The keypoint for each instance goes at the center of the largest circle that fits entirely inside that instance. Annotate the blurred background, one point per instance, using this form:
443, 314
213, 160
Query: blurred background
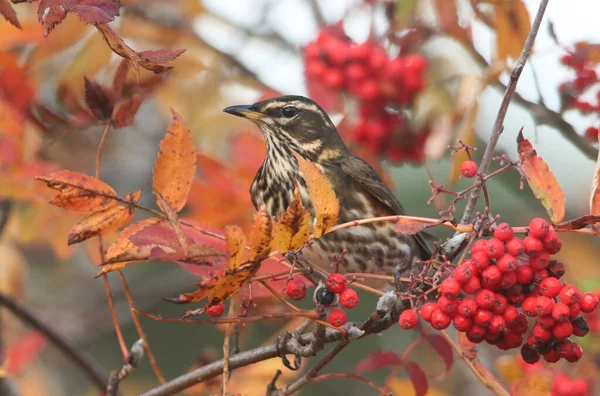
402, 80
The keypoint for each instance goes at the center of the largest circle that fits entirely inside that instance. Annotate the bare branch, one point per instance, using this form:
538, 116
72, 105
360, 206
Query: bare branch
499, 123
85, 362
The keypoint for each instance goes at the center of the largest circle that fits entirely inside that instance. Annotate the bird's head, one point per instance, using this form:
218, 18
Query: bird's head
296, 123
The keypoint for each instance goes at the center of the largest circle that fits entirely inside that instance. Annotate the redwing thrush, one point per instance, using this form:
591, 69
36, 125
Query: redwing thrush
297, 124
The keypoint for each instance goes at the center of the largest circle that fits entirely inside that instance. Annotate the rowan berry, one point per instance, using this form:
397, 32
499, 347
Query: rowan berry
337, 317
296, 289
450, 288
495, 248
515, 247
349, 298
408, 319
336, 283
569, 294
504, 232
538, 228
462, 323
550, 287
533, 246
485, 299
216, 310
439, 320
427, 309
588, 302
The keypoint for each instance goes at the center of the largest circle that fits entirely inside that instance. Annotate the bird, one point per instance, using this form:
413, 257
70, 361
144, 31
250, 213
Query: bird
297, 125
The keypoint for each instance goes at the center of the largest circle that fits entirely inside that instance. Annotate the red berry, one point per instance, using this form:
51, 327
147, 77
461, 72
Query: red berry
562, 330
504, 232
439, 320
462, 323
574, 310
482, 318
540, 261
547, 322
377, 58
492, 275
541, 335
569, 295
355, 72
500, 304
529, 354
498, 324
480, 260
337, 317
427, 309
529, 307
349, 298
544, 305
515, 247
472, 286
468, 169
519, 325
336, 283
450, 288
533, 246
516, 299
485, 299
552, 356
556, 269
575, 354
216, 310
540, 275
507, 263
560, 312
565, 347
510, 314
509, 279
476, 334
479, 246
524, 274
552, 242
408, 319
467, 307
315, 68
368, 90
333, 78
416, 63
588, 302
550, 287
580, 326
296, 289
360, 52
495, 248
447, 305
463, 272
538, 228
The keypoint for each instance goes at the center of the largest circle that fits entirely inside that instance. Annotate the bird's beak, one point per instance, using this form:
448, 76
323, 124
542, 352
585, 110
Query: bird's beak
246, 111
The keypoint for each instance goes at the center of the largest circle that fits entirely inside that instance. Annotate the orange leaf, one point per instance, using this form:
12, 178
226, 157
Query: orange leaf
101, 222
325, 204
140, 253
235, 241
512, 25
173, 220
176, 164
542, 181
122, 243
260, 235
220, 287
595, 198
292, 230
79, 192
410, 226
448, 17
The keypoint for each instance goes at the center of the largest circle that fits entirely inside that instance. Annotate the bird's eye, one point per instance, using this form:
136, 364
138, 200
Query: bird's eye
289, 111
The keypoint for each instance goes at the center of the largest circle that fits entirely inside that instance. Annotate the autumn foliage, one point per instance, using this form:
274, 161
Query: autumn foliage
513, 286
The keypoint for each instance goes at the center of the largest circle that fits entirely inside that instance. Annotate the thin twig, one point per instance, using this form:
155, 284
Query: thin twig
499, 123
113, 314
140, 330
99, 151
240, 319
85, 362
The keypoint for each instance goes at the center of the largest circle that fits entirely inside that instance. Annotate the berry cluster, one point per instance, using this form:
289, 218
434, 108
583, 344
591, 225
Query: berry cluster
572, 91
366, 72
506, 273
336, 284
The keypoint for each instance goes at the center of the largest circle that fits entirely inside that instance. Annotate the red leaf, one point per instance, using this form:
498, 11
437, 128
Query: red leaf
417, 377
26, 348
378, 360
442, 347
96, 11
161, 56
163, 235
9, 13
98, 100
51, 13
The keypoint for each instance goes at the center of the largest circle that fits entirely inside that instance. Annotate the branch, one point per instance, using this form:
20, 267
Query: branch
499, 123
85, 362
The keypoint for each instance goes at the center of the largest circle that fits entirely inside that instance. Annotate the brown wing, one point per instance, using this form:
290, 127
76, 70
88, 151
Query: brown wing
366, 176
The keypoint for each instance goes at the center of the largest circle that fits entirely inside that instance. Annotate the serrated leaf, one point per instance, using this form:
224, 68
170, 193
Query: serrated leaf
235, 241
377, 360
172, 219
417, 377
9, 13
79, 192
542, 181
140, 253
292, 229
261, 234
221, 286
122, 242
410, 226
101, 222
324, 201
577, 223
98, 100
176, 164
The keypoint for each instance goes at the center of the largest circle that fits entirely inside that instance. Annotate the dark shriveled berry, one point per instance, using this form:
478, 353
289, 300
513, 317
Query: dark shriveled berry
324, 296
529, 354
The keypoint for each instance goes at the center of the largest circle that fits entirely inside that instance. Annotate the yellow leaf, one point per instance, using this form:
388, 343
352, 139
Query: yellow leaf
101, 222
542, 181
235, 241
292, 230
260, 235
176, 164
512, 25
325, 204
